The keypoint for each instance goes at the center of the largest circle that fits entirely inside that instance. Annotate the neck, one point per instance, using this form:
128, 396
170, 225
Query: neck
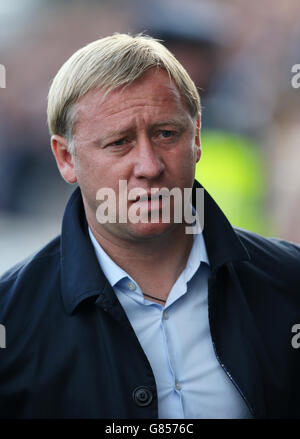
154, 264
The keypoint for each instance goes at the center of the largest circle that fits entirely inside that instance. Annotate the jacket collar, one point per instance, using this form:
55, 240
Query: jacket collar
222, 243
81, 275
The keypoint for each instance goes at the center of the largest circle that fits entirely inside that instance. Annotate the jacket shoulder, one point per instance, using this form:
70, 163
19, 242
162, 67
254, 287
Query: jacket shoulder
273, 257
50, 249
269, 247
26, 274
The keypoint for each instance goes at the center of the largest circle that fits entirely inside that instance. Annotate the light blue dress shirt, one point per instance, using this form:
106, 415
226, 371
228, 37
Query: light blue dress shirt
177, 341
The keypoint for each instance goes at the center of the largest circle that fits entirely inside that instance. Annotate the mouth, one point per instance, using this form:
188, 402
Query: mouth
153, 195
147, 198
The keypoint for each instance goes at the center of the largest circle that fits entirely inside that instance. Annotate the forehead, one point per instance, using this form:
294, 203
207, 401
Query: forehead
155, 91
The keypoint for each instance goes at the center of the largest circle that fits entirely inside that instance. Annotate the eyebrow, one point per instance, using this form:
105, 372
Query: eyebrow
120, 133
111, 135
176, 122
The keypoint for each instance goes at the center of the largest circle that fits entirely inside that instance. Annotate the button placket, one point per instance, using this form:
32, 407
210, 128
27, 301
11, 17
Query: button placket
178, 386
165, 315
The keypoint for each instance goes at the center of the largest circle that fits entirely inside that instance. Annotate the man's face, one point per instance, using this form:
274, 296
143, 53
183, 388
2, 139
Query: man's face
143, 134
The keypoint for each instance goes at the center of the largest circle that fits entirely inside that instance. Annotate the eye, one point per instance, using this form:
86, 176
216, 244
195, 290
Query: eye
167, 134
118, 142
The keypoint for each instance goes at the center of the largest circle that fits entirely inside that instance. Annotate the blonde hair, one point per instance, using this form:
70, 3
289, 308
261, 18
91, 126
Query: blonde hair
109, 63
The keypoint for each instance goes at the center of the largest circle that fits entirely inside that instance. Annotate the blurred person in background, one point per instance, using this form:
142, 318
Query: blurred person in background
141, 319
282, 143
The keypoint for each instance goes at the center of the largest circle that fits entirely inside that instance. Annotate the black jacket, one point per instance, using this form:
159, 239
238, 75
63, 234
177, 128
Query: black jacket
72, 353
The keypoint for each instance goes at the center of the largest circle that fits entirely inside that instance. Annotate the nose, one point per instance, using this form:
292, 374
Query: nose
148, 163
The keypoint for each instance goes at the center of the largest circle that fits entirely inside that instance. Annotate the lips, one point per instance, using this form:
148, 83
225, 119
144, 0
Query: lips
155, 194
148, 198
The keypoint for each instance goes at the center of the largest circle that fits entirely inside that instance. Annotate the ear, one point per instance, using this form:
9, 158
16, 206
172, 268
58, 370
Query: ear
198, 139
64, 159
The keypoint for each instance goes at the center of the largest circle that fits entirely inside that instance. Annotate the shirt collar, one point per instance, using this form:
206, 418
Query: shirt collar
197, 256
114, 273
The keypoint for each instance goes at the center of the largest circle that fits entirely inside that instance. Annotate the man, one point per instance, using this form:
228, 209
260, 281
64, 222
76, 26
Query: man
137, 318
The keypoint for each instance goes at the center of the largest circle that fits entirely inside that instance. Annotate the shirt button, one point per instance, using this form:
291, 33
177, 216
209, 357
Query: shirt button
131, 286
165, 315
178, 386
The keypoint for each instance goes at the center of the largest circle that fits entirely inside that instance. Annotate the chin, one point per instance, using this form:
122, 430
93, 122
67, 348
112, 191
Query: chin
150, 231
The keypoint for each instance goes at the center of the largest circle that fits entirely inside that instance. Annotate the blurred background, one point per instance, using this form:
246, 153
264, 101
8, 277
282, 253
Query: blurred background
239, 54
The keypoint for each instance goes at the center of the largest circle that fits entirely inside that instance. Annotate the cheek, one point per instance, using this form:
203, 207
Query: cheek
187, 165
88, 175
87, 164
189, 155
